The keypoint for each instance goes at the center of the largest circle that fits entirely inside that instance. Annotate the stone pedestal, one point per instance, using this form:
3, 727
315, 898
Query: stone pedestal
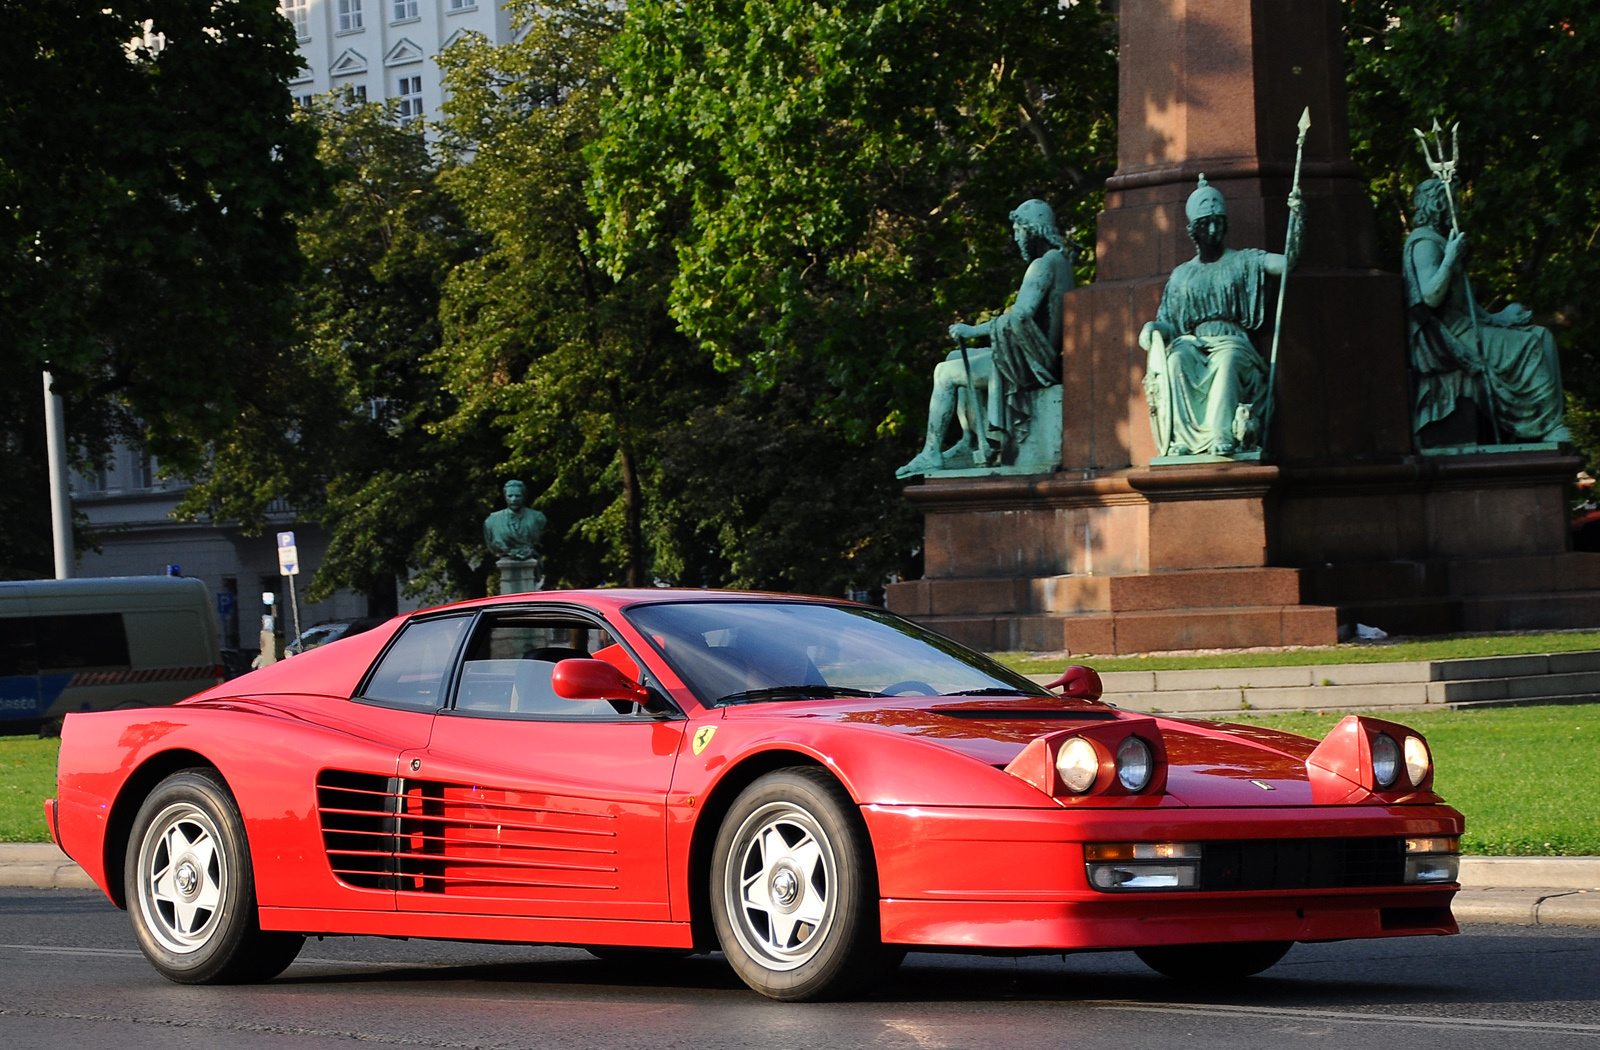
1342, 519
520, 577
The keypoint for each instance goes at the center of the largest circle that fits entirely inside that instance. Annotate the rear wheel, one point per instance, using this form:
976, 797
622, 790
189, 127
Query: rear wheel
1212, 963
191, 891
794, 891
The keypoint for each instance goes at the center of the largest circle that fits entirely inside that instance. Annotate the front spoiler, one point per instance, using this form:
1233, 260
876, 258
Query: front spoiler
1144, 920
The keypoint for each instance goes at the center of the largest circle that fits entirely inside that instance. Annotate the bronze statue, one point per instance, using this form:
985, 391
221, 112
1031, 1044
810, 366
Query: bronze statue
989, 390
512, 536
1205, 380
1500, 362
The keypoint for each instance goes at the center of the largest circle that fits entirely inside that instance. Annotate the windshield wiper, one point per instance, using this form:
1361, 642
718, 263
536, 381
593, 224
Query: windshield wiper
991, 691
792, 692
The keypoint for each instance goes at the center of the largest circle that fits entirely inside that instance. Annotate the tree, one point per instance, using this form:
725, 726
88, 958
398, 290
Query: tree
1523, 80
833, 183
346, 425
581, 368
834, 180
146, 236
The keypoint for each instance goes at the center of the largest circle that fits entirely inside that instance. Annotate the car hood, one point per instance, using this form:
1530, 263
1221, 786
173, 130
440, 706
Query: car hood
1209, 763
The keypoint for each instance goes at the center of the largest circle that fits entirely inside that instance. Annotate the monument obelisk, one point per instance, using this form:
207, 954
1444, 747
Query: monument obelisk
1343, 519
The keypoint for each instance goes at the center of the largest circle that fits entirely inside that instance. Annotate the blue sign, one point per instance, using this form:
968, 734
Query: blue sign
226, 602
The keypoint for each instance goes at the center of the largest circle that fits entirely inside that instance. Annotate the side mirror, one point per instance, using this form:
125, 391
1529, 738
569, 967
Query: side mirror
1079, 682
578, 679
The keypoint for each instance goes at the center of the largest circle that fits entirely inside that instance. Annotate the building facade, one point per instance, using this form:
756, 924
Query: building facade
378, 50
130, 509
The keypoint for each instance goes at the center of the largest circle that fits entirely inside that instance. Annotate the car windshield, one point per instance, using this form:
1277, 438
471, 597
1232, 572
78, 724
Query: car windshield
730, 652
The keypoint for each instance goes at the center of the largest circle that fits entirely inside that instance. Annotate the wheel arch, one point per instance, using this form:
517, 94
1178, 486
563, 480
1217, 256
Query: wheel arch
712, 811
142, 781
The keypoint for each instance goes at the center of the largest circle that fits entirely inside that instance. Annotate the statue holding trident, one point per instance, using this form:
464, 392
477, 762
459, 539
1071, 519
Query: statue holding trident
989, 389
1207, 387
1460, 353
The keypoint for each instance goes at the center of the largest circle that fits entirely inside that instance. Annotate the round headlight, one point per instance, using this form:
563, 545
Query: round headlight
1417, 759
1134, 764
1078, 763
1385, 760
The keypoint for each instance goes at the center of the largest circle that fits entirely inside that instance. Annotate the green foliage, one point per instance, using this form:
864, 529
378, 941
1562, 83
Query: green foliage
345, 424
1527, 779
580, 369
146, 243
1524, 82
835, 180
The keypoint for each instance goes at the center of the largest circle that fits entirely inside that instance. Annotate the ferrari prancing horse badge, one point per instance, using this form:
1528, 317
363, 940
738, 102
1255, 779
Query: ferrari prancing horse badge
702, 737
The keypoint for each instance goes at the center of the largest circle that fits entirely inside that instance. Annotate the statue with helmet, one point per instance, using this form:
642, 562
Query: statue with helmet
1205, 381
1006, 396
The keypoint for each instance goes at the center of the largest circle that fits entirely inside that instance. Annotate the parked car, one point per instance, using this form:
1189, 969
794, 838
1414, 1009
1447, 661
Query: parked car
813, 787
106, 642
329, 631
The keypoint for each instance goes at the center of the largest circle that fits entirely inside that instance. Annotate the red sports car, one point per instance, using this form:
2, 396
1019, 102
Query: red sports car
812, 786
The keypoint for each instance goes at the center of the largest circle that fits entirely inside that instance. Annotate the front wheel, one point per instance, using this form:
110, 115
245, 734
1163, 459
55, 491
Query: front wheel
191, 891
1213, 963
794, 890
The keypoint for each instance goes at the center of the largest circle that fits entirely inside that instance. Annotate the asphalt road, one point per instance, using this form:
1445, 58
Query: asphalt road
70, 976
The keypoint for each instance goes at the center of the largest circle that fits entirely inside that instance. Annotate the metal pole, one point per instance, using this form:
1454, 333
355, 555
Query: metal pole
55, 431
294, 606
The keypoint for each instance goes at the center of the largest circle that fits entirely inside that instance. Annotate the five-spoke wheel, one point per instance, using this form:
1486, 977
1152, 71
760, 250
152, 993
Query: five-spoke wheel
190, 889
794, 889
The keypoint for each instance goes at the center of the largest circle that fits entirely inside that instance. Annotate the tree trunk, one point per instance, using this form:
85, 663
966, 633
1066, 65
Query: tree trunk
632, 514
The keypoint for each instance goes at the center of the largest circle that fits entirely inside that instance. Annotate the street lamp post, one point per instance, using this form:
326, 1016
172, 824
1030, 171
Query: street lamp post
55, 428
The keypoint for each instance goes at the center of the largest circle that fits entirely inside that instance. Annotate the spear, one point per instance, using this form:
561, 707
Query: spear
1277, 321
1443, 167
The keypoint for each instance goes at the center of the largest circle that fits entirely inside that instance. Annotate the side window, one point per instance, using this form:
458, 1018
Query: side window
413, 671
70, 643
16, 647
511, 659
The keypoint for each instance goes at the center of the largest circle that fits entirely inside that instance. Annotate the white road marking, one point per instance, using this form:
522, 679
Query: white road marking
1292, 1014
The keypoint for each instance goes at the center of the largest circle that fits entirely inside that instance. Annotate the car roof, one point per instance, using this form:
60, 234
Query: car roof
613, 599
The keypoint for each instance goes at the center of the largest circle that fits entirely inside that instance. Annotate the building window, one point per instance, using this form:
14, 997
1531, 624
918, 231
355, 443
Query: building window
355, 94
463, 5
410, 95
349, 15
298, 12
305, 101
405, 10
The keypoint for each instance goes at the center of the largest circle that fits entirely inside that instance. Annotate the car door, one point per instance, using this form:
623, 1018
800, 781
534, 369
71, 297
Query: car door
524, 803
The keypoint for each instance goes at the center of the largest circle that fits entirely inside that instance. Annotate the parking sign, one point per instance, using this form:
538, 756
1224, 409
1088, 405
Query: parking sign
288, 555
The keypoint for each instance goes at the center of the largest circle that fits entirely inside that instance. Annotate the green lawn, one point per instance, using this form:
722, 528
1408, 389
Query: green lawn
27, 778
1527, 778
1352, 653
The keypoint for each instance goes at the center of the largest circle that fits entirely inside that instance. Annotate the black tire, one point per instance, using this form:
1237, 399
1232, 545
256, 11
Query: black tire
191, 890
803, 923
1213, 963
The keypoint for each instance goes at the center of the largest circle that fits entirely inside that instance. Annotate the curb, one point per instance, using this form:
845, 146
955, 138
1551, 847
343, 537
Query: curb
1521, 891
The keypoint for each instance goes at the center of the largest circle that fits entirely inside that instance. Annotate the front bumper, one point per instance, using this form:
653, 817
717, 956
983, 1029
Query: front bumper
1015, 878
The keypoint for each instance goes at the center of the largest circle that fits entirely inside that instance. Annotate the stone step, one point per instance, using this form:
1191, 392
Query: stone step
1143, 631
1191, 589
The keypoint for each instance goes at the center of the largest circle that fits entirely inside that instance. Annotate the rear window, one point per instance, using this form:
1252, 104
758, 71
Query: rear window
413, 672
84, 640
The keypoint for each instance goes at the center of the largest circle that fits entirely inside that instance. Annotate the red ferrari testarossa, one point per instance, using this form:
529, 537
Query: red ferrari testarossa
812, 787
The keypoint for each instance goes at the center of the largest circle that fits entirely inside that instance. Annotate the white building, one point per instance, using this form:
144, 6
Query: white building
385, 49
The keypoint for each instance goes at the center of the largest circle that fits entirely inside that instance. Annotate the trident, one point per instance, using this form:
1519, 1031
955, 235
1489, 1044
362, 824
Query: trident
1443, 167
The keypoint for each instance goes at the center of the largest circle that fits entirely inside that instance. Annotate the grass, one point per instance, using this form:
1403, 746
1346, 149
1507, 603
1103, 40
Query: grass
1527, 778
1352, 653
27, 778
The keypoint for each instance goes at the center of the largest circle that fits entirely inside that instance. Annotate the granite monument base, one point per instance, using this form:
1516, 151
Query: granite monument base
520, 577
1234, 556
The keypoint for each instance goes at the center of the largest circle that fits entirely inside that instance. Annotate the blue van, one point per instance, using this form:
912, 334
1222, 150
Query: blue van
94, 644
